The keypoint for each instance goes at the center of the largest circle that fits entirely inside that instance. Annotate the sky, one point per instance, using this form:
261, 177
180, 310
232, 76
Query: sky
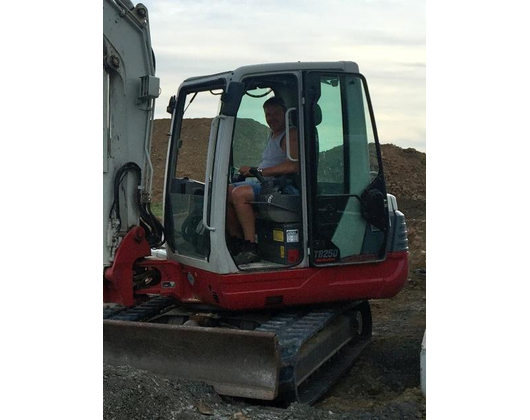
385, 37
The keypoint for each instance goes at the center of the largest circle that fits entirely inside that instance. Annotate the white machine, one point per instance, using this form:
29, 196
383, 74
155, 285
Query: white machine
129, 92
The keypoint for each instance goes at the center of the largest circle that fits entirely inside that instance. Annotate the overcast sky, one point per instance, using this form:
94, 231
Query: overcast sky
385, 37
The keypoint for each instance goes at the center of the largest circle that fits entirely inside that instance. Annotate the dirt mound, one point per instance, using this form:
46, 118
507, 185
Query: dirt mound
404, 172
194, 136
404, 168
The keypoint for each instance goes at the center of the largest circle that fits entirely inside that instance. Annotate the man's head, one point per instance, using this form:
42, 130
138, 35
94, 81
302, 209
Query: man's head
275, 114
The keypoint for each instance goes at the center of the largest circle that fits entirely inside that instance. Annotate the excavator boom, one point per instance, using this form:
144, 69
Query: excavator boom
129, 92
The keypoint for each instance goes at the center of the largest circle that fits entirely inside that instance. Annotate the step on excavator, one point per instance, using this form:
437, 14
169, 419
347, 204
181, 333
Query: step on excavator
286, 326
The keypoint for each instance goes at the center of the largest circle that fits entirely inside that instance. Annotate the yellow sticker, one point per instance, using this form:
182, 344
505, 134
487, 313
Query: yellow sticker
282, 251
277, 235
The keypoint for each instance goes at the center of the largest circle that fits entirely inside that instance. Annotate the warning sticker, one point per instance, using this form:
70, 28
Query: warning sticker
277, 235
292, 236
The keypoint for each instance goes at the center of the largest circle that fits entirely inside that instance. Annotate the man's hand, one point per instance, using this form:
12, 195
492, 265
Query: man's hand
244, 170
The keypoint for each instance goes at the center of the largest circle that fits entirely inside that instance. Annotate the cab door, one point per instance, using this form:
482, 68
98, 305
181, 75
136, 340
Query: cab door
188, 193
347, 208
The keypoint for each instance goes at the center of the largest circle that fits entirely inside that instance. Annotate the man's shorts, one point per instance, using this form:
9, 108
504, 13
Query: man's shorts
254, 183
256, 187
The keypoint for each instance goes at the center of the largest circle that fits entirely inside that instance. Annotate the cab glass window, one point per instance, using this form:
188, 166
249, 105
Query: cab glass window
190, 151
346, 165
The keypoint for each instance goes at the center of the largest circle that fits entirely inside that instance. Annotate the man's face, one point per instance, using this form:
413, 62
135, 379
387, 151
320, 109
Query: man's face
275, 117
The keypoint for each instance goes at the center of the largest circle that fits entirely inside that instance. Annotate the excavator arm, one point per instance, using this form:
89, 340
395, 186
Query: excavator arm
129, 91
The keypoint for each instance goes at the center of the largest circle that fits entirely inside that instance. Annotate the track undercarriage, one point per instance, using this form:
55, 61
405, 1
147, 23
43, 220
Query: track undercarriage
288, 355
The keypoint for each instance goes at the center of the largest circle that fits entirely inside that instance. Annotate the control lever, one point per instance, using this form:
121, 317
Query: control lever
254, 172
267, 186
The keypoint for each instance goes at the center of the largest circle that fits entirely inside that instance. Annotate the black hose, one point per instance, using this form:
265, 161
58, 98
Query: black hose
155, 234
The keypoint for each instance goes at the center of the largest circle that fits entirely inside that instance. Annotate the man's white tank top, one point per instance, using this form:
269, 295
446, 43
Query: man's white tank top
273, 154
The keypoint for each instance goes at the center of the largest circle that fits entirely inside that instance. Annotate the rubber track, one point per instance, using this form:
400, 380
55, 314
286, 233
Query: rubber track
109, 312
144, 311
293, 330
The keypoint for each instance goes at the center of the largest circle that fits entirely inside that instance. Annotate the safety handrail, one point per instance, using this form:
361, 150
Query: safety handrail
209, 165
287, 139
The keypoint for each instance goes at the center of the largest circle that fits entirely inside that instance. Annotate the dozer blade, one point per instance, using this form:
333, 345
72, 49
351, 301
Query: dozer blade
236, 363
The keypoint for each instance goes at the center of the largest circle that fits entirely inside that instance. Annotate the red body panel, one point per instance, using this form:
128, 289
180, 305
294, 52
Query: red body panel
249, 290
303, 286
118, 279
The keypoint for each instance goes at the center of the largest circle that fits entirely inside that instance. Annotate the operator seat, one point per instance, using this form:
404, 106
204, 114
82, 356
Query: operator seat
278, 207
285, 208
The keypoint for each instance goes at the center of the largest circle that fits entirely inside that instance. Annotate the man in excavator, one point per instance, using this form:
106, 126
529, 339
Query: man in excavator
240, 214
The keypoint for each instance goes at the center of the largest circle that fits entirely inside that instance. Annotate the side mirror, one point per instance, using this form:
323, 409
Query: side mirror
231, 99
172, 104
373, 209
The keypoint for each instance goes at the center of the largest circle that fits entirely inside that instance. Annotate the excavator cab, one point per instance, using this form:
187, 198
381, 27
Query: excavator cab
338, 214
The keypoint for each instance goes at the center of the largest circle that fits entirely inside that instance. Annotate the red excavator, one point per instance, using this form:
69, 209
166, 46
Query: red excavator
283, 327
